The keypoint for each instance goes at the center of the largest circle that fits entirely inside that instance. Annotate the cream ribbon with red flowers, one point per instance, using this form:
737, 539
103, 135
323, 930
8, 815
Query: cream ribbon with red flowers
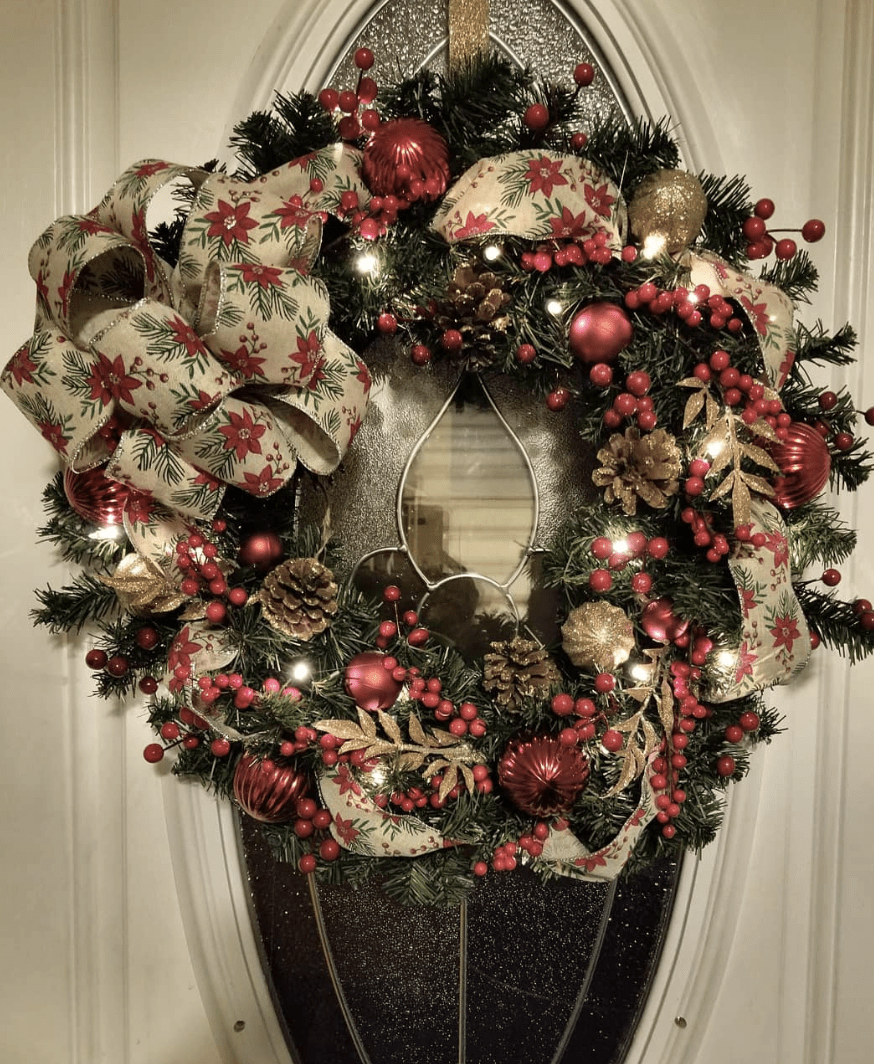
359, 825
534, 194
219, 372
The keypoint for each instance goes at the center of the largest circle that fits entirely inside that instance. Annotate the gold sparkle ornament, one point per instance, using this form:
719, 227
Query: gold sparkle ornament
667, 211
598, 635
142, 588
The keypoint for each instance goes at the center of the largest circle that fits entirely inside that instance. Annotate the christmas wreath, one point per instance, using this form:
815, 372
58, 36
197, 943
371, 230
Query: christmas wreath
189, 380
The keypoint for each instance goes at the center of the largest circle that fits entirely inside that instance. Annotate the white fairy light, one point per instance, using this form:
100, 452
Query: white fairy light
653, 245
726, 658
553, 306
491, 252
366, 262
107, 532
621, 546
300, 671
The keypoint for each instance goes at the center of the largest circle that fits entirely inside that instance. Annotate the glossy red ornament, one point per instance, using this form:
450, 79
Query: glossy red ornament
95, 497
599, 332
268, 791
370, 683
407, 158
660, 622
541, 775
804, 461
261, 549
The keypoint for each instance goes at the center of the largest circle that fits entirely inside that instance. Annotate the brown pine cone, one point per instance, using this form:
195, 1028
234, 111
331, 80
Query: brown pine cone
474, 305
299, 598
518, 669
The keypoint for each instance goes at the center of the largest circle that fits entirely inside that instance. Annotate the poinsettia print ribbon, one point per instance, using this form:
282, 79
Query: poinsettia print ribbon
359, 825
775, 640
221, 371
533, 194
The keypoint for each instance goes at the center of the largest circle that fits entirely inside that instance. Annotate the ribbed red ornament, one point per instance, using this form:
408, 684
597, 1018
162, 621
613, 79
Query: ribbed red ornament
370, 684
599, 332
542, 776
95, 497
268, 791
406, 157
660, 622
804, 461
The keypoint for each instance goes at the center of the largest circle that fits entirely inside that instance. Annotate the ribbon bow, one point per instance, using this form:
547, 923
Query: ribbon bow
219, 372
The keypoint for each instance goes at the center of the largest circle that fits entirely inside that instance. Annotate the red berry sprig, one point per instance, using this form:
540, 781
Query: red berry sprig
761, 240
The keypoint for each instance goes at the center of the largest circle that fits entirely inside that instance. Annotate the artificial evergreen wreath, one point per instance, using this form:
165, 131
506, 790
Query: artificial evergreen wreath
189, 381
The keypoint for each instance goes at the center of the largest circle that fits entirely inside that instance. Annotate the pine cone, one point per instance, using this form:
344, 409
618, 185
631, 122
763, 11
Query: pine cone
299, 598
516, 670
635, 467
474, 304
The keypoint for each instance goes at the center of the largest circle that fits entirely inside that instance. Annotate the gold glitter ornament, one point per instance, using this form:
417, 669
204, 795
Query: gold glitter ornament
635, 466
598, 635
667, 211
142, 588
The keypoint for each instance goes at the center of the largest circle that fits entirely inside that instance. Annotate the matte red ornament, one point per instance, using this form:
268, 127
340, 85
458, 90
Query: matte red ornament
599, 332
268, 791
660, 622
408, 158
541, 775
95, 497
261, 549
370, 683
804, 461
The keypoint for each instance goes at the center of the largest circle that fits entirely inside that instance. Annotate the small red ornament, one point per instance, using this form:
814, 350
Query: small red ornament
370, 683
95, 497
660, 622
408, 158
268, 791
261, 549
805, 464
541, 775
599, 332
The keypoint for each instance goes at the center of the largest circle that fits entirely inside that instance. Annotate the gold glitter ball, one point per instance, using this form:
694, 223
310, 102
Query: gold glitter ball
597, 635
667, 211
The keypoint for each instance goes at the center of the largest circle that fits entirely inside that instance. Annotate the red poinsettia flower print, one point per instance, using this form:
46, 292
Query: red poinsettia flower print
590, 863
265, 276
54, 433
293, 215
21, 366
91, 226
363, 376
186, 337
599, 199
264, 484
204, 400
348, 834
636, 818
345, 781
110, 380
778, 543
785, 632
154, 167
543, 174
307, 354
748, 601
208, 480
65, 290
354, 426
243, 362
473, 225
231, 223
138, 507
181, 649
758, 313
569, 224
242, 434
42, 289
745, 661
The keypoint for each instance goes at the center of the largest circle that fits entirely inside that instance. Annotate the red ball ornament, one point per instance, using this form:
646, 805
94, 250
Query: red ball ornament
370, 683
403, 155
805, 464
599, 332
541, 775
268, 791
95, 497
660, 622
261, 549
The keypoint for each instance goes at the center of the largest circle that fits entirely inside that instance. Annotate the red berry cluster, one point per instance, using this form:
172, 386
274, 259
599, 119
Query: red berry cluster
746, 722
416, 635
463, 719
703, 535
567, 253
761, 241
741, 388
690, 306
865, 612
618, 553
586, 712
196, 557
632, 403
349, 103
843, 441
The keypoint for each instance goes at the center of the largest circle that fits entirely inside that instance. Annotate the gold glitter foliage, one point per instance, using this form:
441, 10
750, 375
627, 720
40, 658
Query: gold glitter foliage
667, 211
142, 588
639, 467
597, 636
